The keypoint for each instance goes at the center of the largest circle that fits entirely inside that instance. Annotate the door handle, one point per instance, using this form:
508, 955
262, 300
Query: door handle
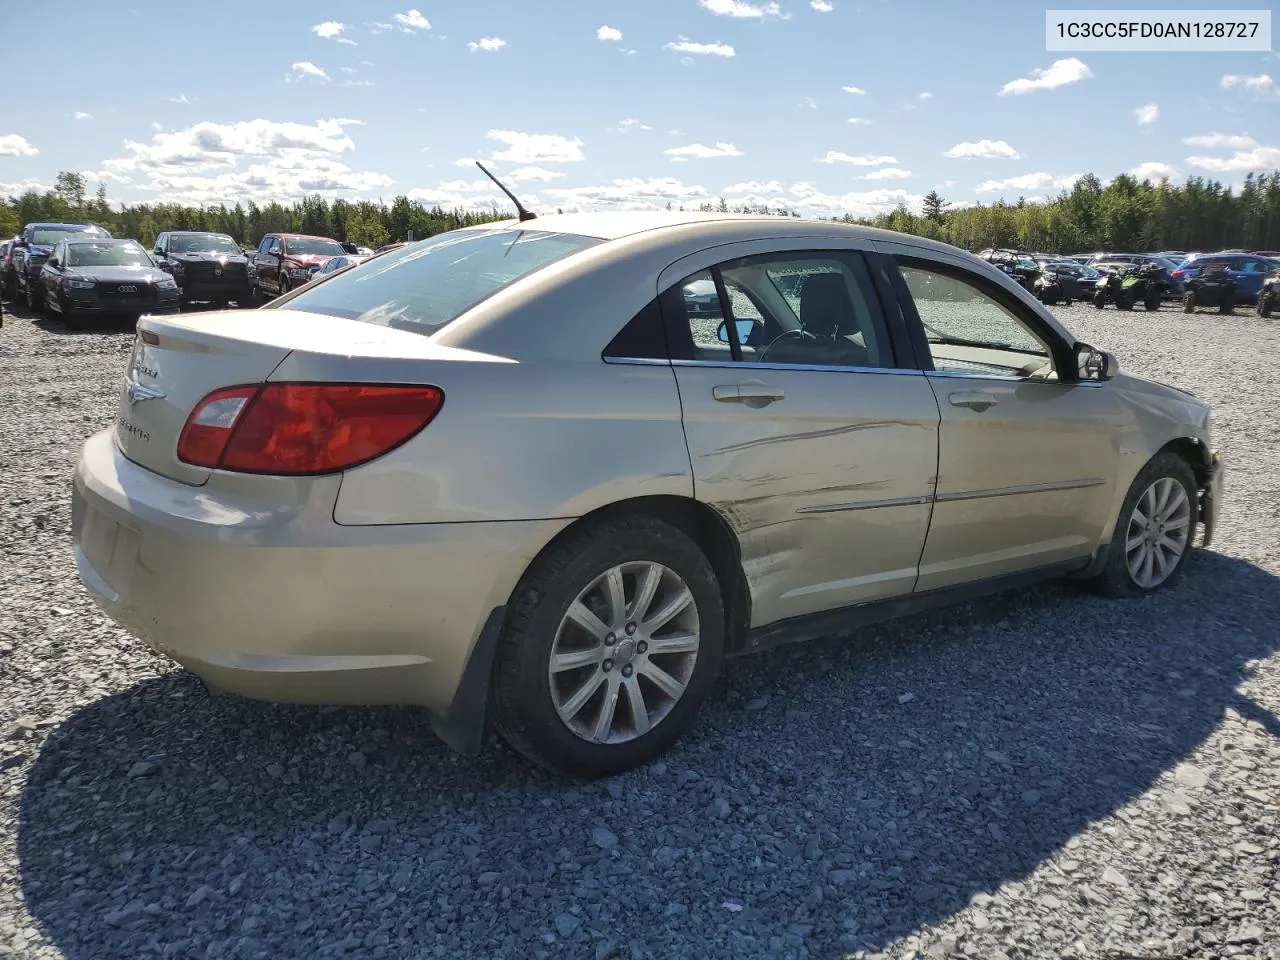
753, 393
974, 400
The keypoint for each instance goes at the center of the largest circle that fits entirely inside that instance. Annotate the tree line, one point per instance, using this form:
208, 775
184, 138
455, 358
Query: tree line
1126, 214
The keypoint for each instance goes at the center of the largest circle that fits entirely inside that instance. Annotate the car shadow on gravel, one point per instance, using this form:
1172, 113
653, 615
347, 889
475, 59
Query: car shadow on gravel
835, 796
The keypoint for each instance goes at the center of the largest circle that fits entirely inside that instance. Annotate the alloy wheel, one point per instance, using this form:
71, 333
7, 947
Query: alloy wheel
1159, 533
624, 652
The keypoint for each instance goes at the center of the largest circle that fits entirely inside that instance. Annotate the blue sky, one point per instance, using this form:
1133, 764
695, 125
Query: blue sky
827, 106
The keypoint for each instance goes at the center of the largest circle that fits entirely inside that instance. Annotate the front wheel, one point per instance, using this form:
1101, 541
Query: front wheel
1266, 304
284, 284
1154, 533
1099, 300
1152, 302
612, 641
1189, 302
1124, 301
33, 300
1228, 304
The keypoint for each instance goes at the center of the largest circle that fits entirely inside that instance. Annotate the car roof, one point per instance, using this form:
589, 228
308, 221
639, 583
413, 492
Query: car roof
196, 233
100, 240
300, 236
723, 227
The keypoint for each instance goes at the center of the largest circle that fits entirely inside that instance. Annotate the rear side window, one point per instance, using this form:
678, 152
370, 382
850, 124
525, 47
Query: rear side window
423, 286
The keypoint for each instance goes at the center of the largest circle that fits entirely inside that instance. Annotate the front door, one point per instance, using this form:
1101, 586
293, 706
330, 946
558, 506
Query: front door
1027, 459
803, 432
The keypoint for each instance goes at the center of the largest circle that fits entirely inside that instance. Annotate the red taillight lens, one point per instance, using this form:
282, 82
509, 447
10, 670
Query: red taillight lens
304, 428
1176, 273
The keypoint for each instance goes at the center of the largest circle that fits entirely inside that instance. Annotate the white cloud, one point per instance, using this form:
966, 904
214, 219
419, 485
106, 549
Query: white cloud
535, 148
628, 51
22, 186
713, 49
1147, 114
889, 173
822, 6
180, 98
924, 96
857, 91
465, 162
1026, 181
535, 174
12, 145
305, 70
411, 20
753, 186
859, 121
259, 160
631, 123
743, 10
700, 151
156, 125
377, 26
329, 30
628, 194
986, 149
486, 44
808, 103
1059, 74
1221, 141
1257, 159
1154, 171
358, 83
1261, 84
608, 33
807, 199
348, 69
837, 156
105, 175
81, 115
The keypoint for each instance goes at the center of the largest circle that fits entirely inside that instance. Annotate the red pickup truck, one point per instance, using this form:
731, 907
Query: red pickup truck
286, 260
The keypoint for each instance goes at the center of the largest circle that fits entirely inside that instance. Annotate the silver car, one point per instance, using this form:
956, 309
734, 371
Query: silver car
523, 474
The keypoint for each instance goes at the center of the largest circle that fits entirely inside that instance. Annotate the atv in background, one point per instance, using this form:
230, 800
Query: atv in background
1107, 289
1021, 267
1211, 287
1146, 285
1047, 287
1269, 296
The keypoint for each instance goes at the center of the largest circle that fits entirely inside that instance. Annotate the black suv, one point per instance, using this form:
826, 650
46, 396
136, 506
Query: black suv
206, 266
32, 249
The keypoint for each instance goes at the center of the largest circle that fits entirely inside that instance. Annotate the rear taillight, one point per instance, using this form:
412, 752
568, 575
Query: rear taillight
1176, 273
304, 428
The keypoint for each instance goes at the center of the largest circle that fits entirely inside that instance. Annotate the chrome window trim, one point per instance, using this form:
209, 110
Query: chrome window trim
812, 367
962, 375
638, 361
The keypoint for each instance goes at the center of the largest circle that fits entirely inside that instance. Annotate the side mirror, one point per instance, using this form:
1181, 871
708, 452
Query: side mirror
1094, 364
746, 330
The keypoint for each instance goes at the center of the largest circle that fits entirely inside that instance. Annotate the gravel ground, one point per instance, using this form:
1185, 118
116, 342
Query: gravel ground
1046, 774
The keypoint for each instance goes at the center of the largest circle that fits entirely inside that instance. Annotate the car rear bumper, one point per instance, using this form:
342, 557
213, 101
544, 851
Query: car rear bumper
281, 603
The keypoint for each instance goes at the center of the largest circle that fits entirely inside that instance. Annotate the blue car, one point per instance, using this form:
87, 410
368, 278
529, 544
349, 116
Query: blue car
32, 248
1246, 270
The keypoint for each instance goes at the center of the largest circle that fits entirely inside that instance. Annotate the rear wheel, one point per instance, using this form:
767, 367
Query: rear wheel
1155, 530
1124, 301
1099, 299
33, 300
1266, 304
1152, 302
612, 641
1189, 302
1228, 304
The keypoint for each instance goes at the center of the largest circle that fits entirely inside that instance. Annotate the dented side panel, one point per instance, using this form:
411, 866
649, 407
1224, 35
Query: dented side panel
828, 490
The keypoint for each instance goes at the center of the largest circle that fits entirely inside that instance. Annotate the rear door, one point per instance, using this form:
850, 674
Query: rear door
1027, 456
807, 429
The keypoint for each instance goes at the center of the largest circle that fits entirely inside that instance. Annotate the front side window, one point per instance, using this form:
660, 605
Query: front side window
423, 286
968, 329
805, 308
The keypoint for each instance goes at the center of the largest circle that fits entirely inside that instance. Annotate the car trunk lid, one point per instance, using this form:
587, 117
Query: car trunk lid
179, 360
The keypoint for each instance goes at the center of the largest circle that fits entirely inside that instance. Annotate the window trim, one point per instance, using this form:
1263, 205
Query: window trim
1061, 353
680, 344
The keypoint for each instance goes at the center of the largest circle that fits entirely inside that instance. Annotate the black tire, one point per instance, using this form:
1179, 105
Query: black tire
1124, 301
1189, 302
1115, 580
521, 696
1228, 304
34, 303
1152, 302
1266, 305
1066, 302
1099, 300
72, 320
284, 285
221, 303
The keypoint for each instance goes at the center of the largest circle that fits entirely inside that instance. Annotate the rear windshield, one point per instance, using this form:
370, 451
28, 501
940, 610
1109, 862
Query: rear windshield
203, 243
424, 285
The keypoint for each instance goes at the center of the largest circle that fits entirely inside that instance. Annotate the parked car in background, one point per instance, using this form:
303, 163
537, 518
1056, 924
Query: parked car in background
336, 263
206, 266
8, 275
1246, 271
33, 246
682, 488
364, 251
1077, 280
88, 279
284, 261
